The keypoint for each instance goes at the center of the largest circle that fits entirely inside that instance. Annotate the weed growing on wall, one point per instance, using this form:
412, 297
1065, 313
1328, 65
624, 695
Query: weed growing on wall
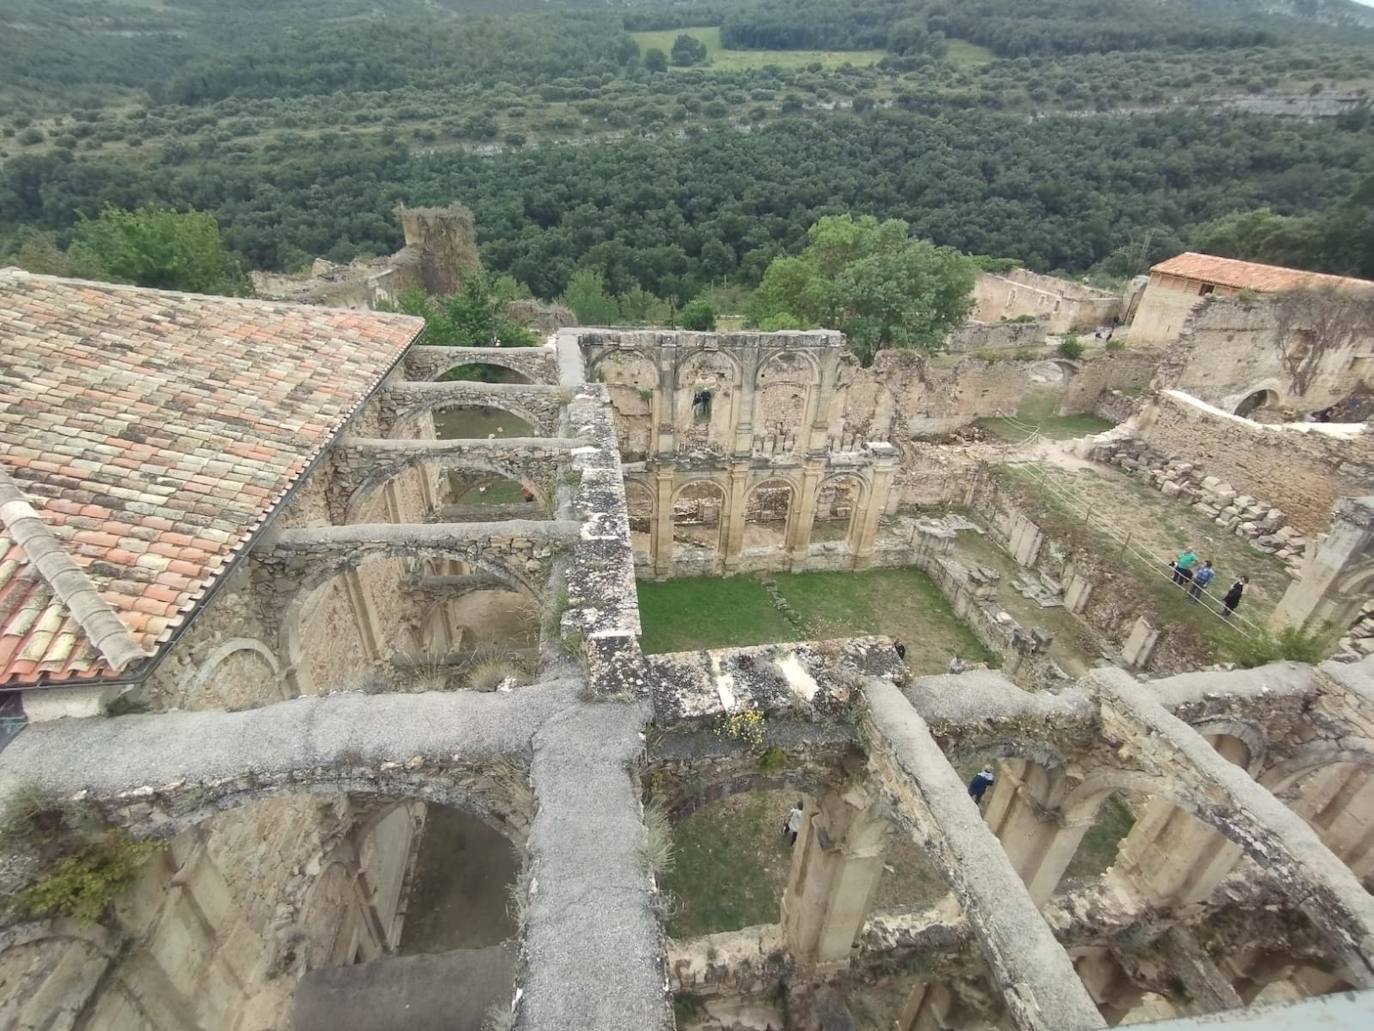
82, 862
747, 727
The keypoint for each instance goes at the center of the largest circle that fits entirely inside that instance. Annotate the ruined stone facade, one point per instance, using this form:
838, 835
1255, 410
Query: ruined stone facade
321, 704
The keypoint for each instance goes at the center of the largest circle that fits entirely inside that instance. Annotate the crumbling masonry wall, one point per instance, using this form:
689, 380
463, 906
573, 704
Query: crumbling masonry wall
1300, 469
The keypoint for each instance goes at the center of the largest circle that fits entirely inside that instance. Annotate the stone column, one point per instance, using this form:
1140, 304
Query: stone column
1331, 588
1172, 858
927, 1008
836, 863
1023, 812
1339, 804
364, 617
661, 530
864, 528
746, 401
664, 431
733, 532
799, 540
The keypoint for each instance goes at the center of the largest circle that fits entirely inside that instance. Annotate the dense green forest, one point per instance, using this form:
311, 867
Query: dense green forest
1071, 135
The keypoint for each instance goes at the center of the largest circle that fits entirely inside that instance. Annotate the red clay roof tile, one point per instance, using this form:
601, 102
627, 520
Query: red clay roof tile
153, 432
1251, 275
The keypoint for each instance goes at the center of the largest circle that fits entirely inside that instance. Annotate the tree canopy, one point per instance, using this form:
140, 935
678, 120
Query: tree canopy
151, 246
872, 281
474, 317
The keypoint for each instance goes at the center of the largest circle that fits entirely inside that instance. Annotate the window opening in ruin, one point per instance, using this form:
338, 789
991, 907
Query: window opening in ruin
701, 407
1207, 288
1254, 402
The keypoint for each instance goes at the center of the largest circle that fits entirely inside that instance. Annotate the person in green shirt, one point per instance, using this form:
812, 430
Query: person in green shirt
1183, 566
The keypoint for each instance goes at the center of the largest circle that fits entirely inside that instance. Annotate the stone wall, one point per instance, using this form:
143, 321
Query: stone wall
1228, 350
1164, 309
1062, 304
1251, 518
976, 336
1300, 469
1119, 376
209, 939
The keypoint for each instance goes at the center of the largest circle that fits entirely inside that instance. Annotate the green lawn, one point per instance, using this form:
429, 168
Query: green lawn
731, 862
741, 60
1037, 412
1099, 846
963, 54
708, 612
730, 865
711, 612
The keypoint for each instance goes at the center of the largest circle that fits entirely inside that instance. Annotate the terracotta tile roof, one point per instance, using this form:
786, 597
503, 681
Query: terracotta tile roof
1250, 275
152, 433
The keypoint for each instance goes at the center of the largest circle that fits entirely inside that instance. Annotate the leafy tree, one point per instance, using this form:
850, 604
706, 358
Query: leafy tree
587, 297
688, 50
474, 317
158, 247
655, 60
874, 282
698, 315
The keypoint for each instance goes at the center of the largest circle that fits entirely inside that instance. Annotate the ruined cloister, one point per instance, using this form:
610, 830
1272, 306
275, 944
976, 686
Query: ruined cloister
433, 623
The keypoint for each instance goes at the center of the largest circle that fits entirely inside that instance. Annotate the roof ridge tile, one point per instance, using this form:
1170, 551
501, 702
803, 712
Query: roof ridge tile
68, 583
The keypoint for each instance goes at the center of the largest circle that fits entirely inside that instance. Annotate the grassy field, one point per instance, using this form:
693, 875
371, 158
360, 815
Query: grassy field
742, 60
731, 861
1037, 412
963, 54
1161, 527
710, 612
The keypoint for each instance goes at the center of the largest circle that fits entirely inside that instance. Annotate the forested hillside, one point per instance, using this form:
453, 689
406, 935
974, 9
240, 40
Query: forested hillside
1071, 135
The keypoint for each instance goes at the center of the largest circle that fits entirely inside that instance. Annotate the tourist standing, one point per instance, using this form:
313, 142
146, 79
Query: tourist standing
792, 827
956, 665
1183, 565
1232, 598
1201, 579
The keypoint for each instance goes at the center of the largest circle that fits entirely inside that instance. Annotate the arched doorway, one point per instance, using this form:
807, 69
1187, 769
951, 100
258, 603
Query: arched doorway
1253, 402
767, 516
698, 520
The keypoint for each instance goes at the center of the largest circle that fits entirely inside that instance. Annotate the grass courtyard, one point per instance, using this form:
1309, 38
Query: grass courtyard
723, 60
711, 612
731, 863
1036, 413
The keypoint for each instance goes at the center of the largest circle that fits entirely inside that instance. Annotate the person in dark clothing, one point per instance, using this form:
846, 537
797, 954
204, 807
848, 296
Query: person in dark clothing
982, 780
900, 648
792, 825
1232, 597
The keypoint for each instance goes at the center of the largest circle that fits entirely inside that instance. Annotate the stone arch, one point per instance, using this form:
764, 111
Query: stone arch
195, 683
539, 425
495, 792
715, 376
319, 578
768, 524
640, 506
699, 515
632, 381
1011, 748
1255, 400
506, 371
363, 493
1357, 751
855, 498
535, 364
1247, 734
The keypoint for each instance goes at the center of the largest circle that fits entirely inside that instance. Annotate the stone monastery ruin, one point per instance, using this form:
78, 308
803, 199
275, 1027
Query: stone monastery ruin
318, 667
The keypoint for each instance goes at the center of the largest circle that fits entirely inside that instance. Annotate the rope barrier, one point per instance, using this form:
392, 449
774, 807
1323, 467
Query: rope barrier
1151, 562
